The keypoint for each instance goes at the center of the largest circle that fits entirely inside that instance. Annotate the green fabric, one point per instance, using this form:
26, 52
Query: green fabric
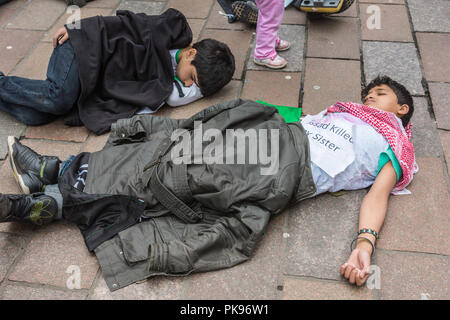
289, 114
177, 56
177, 59
389, 155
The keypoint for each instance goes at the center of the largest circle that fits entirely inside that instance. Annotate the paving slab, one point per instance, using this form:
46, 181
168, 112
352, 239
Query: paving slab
9, 126
383, 1
441, 101
274, 87
15, 4
14, 45
294, 16
192, 8
256, 278
95, 143
68, 18
430, 15
385, 23
239, 43
435, 53
56, 255
396, 60
328, 81
196, 27
11, 246
57, 130
227, 93
411, 276
150, 8
333, 38
417, 222
155, 288
295, 34
445, 140
20, 292
314, 248
6, 15
103, 4
425, 137
34, 65
32, 18
299, 288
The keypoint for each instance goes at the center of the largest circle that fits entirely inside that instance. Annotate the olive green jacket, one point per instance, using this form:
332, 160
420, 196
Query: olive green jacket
200, 216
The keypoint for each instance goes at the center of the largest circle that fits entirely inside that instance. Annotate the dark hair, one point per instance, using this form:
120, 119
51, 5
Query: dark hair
403, 95
215, 65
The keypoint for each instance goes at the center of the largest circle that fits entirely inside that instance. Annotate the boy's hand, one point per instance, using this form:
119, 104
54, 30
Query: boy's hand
60, 37
356, 269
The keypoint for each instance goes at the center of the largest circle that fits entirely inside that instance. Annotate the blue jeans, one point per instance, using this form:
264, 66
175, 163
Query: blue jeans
36, 102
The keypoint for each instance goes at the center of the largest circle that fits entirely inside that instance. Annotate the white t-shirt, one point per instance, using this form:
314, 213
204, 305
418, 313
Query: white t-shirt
191, 93
345, 151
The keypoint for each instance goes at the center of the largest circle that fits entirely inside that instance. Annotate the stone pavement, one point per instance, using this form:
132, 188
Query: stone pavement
300, 255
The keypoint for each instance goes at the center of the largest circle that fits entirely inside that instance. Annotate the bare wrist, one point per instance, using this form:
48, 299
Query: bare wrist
364, 245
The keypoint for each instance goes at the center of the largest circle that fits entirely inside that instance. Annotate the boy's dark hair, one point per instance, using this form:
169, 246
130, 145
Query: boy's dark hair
403, 95
215, 65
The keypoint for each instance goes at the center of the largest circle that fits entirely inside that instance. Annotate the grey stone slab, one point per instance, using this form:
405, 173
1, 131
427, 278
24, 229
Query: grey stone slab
296, 36
320, 232
396, 60
425, 137
19, 292
413, 276
256, 278
9, 126
150, 8
419, 221
298, 288
57, 256
156, 288
10, 247
430, 15
333, 38
441, 101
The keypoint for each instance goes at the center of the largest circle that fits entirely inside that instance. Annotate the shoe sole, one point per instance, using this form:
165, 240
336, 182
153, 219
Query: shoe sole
283, 49
16, 174
269, 66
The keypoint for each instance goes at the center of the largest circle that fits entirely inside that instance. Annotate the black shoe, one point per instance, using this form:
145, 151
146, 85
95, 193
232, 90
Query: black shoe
32, 171
37, 208
245, 11
79, 3
1, 74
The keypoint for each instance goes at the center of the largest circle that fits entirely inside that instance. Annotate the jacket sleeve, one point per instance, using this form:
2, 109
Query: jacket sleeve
138, 128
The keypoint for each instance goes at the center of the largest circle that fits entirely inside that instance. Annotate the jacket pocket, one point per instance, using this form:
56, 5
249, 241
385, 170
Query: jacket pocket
127, 131
137, 240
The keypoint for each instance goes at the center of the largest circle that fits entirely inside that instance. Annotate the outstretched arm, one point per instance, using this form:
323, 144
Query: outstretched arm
371, 215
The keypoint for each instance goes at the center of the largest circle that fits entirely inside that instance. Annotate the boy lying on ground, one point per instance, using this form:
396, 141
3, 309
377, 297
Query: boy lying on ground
109, 68
161, 198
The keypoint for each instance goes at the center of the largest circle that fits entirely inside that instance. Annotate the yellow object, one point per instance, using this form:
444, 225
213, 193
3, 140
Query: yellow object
322, 9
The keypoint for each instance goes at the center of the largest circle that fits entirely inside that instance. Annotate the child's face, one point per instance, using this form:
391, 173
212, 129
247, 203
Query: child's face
382, 97
186, 72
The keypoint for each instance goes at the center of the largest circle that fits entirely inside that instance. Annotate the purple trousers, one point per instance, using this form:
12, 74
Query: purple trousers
270, 15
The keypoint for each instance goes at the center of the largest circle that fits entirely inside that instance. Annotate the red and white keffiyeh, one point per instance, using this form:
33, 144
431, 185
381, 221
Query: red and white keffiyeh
387, 125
